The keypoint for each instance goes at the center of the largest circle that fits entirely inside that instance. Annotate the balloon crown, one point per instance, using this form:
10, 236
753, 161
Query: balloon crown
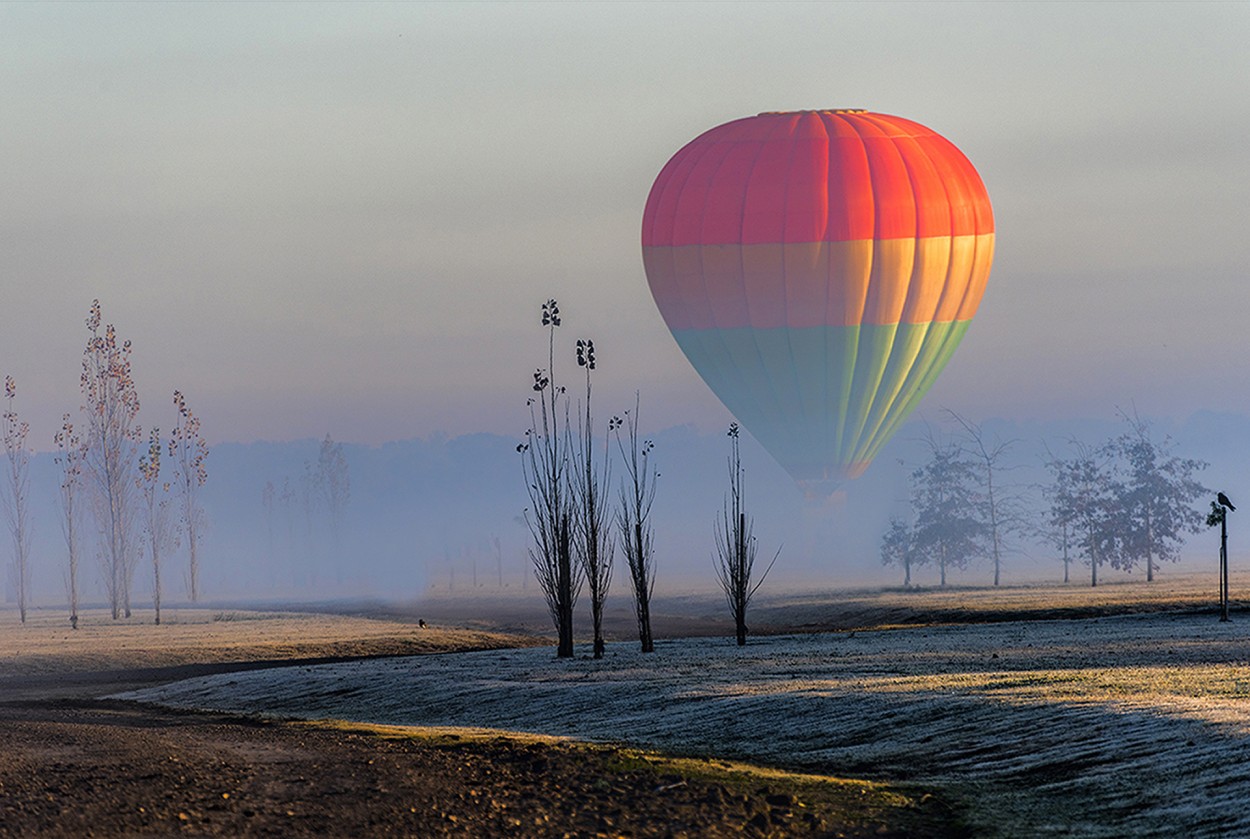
818, 111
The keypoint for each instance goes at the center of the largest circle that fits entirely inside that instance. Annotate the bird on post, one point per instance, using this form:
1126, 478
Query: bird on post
1224, 502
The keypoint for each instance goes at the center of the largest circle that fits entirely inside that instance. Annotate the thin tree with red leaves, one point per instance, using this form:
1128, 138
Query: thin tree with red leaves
69, 457
111, 408
188, 450
158, 526
15, 489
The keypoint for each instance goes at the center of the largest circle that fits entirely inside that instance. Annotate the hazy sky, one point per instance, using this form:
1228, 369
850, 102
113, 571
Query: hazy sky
343, 217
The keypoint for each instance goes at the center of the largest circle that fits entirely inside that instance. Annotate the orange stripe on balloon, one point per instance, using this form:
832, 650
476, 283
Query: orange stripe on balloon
815, 176
820, 283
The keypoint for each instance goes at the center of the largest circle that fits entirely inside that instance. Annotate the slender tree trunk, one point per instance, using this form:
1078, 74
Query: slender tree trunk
1093, 564
73, 587
1223, 565
642, 593
195, 562
1150, 567
156, 582
642, 597
597, 618
565, 595
741, 589
1065, 554
989, 483
906, 572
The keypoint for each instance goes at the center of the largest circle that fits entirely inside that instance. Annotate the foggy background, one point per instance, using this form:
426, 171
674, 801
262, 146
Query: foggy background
443, 516
342, 218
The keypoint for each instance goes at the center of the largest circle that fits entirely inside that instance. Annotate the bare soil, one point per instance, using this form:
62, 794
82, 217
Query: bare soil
76, 765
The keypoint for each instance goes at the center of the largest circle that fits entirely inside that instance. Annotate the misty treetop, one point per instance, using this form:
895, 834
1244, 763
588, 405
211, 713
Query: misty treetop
1126, 503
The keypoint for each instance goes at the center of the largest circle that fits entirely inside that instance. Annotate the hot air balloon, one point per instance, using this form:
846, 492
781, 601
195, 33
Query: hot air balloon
818, 269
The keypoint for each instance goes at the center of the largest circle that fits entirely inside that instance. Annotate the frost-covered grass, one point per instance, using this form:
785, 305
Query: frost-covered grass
1114, 726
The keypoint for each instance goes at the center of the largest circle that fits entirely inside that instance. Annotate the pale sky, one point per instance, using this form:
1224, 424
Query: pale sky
343, 217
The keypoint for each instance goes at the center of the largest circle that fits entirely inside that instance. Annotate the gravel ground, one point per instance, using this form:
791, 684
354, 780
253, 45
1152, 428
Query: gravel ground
74, 765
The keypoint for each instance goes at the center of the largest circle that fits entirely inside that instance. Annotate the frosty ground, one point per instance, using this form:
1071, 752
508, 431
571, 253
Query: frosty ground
1130, 724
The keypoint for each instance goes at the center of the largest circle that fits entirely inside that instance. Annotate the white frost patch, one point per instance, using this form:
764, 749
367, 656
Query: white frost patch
1109, 727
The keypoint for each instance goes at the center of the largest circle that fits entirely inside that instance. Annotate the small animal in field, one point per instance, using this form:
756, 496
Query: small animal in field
421, 623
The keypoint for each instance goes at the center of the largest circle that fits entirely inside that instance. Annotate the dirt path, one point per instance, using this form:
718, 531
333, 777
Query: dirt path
74, 765
115, 769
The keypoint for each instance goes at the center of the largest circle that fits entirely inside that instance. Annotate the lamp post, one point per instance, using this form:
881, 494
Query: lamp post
1223, 568
1220, 508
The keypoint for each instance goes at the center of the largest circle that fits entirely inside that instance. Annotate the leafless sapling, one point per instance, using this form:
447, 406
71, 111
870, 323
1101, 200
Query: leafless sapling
593, 521
736, 545
334, 482
287, 498
188, 450
16, 494
69, 455
310, 498
949, 531
111, 407
1085, 500
545, 466
158, 524
633, 517
896, 548
268, 497
1001, 508
1159, 490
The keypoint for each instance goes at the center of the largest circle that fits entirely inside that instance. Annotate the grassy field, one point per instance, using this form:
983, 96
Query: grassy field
1043, 710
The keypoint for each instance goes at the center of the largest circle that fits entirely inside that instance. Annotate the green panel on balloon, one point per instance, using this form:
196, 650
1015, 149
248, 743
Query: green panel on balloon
824, 399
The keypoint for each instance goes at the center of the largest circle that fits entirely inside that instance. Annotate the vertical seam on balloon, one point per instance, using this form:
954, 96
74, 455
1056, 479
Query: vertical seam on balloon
699, 247
793, 149
696, 152
669, 183
905, 376
775, 129
947, 286
826, 414
948, 343
849, 445
703, 207
848, 387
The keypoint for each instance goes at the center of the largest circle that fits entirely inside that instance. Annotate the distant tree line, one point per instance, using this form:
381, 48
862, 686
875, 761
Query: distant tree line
307, 513
1126, 503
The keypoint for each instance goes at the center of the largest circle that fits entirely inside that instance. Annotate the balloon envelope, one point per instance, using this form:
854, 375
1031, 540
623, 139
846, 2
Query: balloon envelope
818, 268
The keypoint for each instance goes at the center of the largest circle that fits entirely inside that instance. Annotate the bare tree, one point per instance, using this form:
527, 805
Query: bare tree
310, 501
896, 548
158, 524
111, 407
287, 498
335, 485
592, 519
736, 545
1058, 520
16, 500
268, 497
1159, 493
634, 518
188, 450
1002, 512
949, 531
1084, 501
69, 456
545, 465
